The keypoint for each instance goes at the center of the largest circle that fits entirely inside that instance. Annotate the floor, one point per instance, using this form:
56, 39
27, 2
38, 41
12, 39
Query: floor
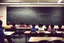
18, 39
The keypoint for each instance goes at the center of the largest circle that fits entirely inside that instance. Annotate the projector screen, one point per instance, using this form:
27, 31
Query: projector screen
35, 15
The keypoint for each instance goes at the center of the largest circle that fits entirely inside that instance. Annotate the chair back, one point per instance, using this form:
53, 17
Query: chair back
57, 41
43, 41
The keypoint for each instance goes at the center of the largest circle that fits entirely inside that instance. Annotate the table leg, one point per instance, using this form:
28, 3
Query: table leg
9, 39
26, 38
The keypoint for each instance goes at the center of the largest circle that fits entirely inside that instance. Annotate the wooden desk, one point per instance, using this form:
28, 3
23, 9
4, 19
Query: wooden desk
46, 32
28, 32
37, 39
8, 35
8, 32
22, 28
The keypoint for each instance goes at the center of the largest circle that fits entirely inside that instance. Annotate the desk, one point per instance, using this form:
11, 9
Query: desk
27, 33
8, 35
46, 32
58, 33
37, 39
22, 28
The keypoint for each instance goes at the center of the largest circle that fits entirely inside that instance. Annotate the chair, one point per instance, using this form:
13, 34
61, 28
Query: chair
52, 35
41, 34
43, 41
57, 41
33, 34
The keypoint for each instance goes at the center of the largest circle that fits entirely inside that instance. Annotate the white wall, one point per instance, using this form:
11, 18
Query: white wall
29, 0
3, 13
11, 0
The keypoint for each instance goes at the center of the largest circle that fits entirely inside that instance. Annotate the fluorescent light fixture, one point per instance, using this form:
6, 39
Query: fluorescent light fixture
29, 3
59, 1
36, 5
9, 3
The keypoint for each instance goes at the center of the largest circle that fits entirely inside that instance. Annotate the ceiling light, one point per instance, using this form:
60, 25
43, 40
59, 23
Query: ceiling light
29, 3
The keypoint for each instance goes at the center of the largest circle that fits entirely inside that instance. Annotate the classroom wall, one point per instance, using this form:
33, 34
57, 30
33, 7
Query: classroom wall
3, 14
10, 1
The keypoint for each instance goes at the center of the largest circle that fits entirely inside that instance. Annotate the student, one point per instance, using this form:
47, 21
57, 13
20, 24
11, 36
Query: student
28, 26
2, 36
41, 27
60, 26
52, 30
52, 26
8, 26
13, 26
33, 29
22, 25
47, 27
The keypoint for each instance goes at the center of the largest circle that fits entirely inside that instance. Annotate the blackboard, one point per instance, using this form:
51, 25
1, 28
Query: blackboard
35, 15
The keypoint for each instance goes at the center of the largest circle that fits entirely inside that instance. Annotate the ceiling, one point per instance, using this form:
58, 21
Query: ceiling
62, 1
32, 1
